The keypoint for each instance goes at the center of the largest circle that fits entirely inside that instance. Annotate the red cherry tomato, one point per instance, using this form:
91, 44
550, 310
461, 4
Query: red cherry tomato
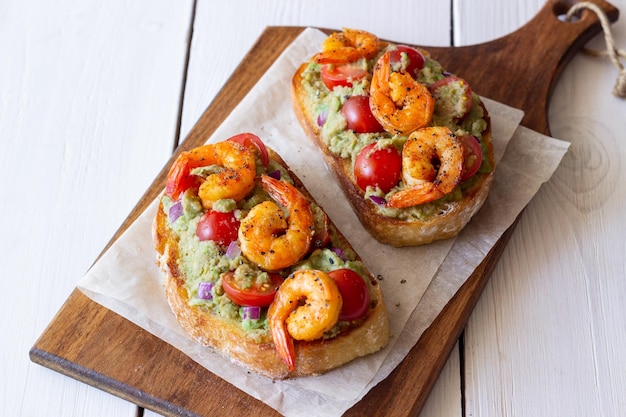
250, 140
456, 102
415, 57
256, 295
354, 292
473, 156
378, 167
219, 227
341, 75
359, 116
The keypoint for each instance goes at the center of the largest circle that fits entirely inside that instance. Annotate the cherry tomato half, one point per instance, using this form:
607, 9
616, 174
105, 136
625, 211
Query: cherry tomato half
378, 167
359, 116
256, 296
220, 227
473, 156
354, 292
250, 140
415, 58
453, 97
341, 75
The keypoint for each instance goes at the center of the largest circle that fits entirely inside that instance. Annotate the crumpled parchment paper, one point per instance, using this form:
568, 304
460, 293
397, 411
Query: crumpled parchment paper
417, 282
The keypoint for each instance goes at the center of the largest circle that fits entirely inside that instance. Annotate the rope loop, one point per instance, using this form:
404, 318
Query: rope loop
611, 52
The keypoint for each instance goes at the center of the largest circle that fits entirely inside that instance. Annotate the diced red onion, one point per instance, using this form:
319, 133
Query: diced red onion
321, 118
204, 290
339, 252
275, 174
233, 250
251, 313
176, 211
377, 200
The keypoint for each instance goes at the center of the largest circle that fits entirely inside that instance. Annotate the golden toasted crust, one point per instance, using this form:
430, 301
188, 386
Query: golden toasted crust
366, 336
389, 230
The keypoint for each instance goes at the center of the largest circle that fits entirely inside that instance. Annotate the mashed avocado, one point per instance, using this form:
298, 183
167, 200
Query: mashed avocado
347, 144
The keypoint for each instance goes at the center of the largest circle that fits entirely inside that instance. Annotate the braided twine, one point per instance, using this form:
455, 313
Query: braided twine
611, 51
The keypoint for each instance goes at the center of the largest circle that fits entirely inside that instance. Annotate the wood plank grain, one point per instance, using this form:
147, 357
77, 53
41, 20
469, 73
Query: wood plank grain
218, 53
71, 110
405, 390
544, 337
102, 349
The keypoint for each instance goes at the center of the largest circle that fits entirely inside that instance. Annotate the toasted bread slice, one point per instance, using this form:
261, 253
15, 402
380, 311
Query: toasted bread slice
398, 227
255, 350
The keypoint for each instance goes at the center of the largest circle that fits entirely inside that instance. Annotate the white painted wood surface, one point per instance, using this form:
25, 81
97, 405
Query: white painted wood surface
90, 98
546, 337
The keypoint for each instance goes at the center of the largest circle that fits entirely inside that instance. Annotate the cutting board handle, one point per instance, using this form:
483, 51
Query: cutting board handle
561, 7
521, 69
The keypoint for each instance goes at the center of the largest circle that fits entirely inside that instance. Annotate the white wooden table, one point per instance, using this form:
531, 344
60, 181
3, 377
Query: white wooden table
94, 96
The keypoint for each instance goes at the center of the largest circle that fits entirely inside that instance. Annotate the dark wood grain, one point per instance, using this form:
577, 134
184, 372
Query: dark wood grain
94, 345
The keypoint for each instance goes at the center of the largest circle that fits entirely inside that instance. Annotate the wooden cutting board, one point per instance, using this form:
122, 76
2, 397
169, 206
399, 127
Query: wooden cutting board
94, 345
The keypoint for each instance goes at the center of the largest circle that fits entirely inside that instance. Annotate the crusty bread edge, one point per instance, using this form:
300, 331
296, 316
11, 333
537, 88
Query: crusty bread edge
312, 358
388, 230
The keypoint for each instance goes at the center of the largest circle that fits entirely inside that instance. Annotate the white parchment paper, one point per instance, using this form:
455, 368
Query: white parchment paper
417, 282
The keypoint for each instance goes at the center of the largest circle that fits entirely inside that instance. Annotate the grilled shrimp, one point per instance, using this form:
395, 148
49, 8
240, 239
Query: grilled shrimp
348, 46
233, 176
432, 164
400, 103
271, 239
306, 305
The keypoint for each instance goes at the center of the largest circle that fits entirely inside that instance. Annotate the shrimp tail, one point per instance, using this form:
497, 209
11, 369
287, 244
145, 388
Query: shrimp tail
284, 344
278, 190
413, 196
283, 192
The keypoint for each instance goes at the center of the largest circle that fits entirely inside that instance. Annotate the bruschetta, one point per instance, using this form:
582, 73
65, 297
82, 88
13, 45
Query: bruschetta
256, 270
409, 143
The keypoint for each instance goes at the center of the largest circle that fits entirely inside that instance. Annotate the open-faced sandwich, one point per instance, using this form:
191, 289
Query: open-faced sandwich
256, 270
408, 142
